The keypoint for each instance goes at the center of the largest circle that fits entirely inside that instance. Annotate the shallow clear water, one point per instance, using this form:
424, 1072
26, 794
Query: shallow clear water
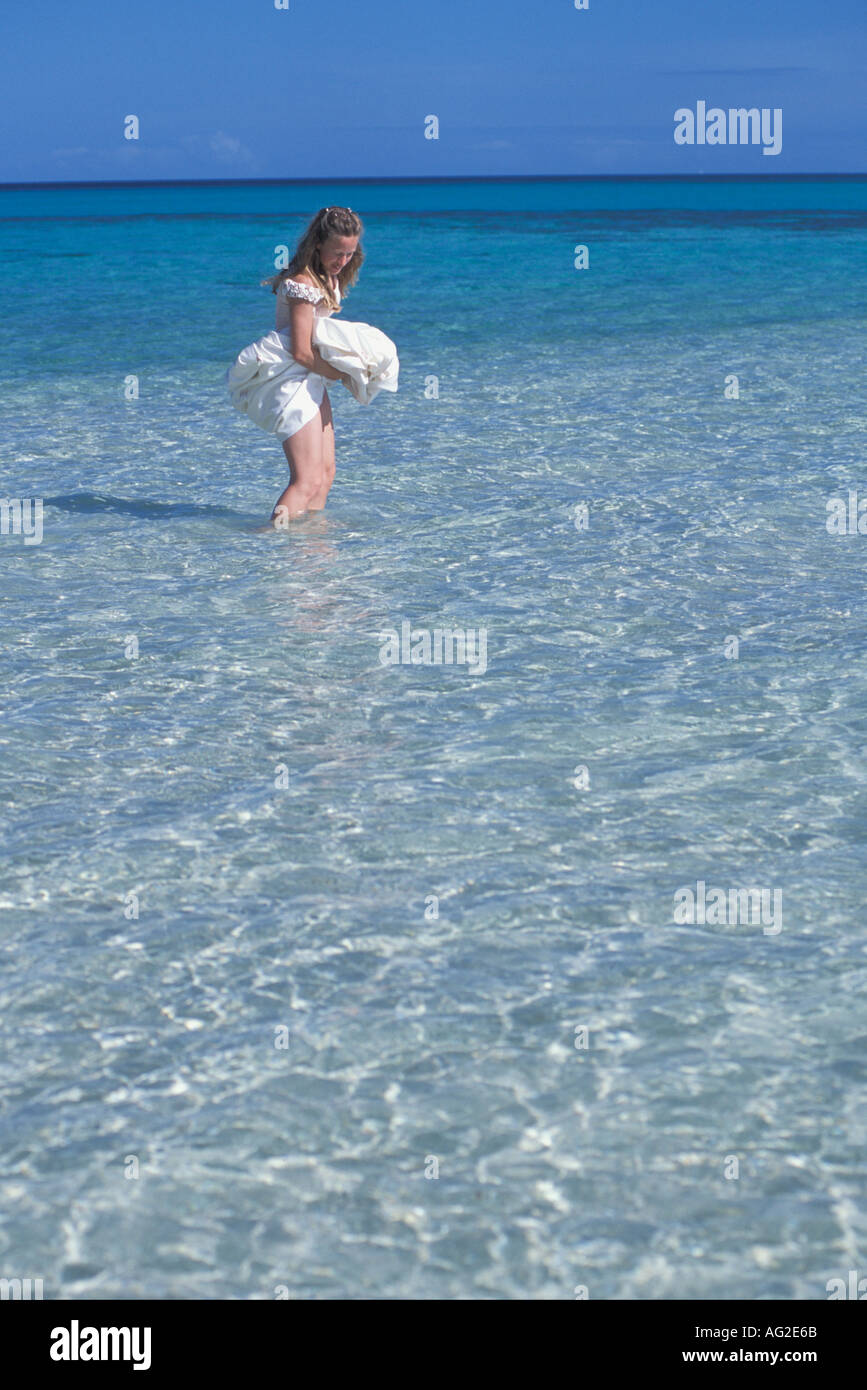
285, 807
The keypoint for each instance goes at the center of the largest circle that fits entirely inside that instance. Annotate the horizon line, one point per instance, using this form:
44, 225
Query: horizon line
23, 185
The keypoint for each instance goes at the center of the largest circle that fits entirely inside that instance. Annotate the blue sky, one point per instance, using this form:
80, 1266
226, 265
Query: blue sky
239, 89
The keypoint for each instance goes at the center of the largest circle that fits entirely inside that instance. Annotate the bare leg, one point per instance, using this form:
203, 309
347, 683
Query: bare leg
303, 451
328, 460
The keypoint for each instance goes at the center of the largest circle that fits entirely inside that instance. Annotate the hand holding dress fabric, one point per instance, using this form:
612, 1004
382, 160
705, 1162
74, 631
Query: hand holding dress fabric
362, 353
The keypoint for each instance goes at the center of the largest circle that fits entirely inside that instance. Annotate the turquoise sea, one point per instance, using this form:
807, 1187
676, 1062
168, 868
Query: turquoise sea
331, 978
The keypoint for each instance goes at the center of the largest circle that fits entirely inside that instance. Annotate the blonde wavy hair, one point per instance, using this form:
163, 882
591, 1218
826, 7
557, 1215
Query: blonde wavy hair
327, 222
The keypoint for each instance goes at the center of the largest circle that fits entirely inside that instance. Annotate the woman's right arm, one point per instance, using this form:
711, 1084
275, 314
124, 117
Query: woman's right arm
301, 320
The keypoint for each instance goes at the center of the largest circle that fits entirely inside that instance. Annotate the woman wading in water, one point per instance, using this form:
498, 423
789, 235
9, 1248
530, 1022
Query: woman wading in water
326, 262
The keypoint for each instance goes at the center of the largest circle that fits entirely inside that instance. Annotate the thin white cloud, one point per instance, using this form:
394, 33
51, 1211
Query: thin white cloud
228, 149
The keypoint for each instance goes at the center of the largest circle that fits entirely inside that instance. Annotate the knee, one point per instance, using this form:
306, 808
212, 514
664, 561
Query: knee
307, 489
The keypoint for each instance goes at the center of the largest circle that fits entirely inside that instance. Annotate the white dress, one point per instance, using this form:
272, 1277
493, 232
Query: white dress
279, 394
